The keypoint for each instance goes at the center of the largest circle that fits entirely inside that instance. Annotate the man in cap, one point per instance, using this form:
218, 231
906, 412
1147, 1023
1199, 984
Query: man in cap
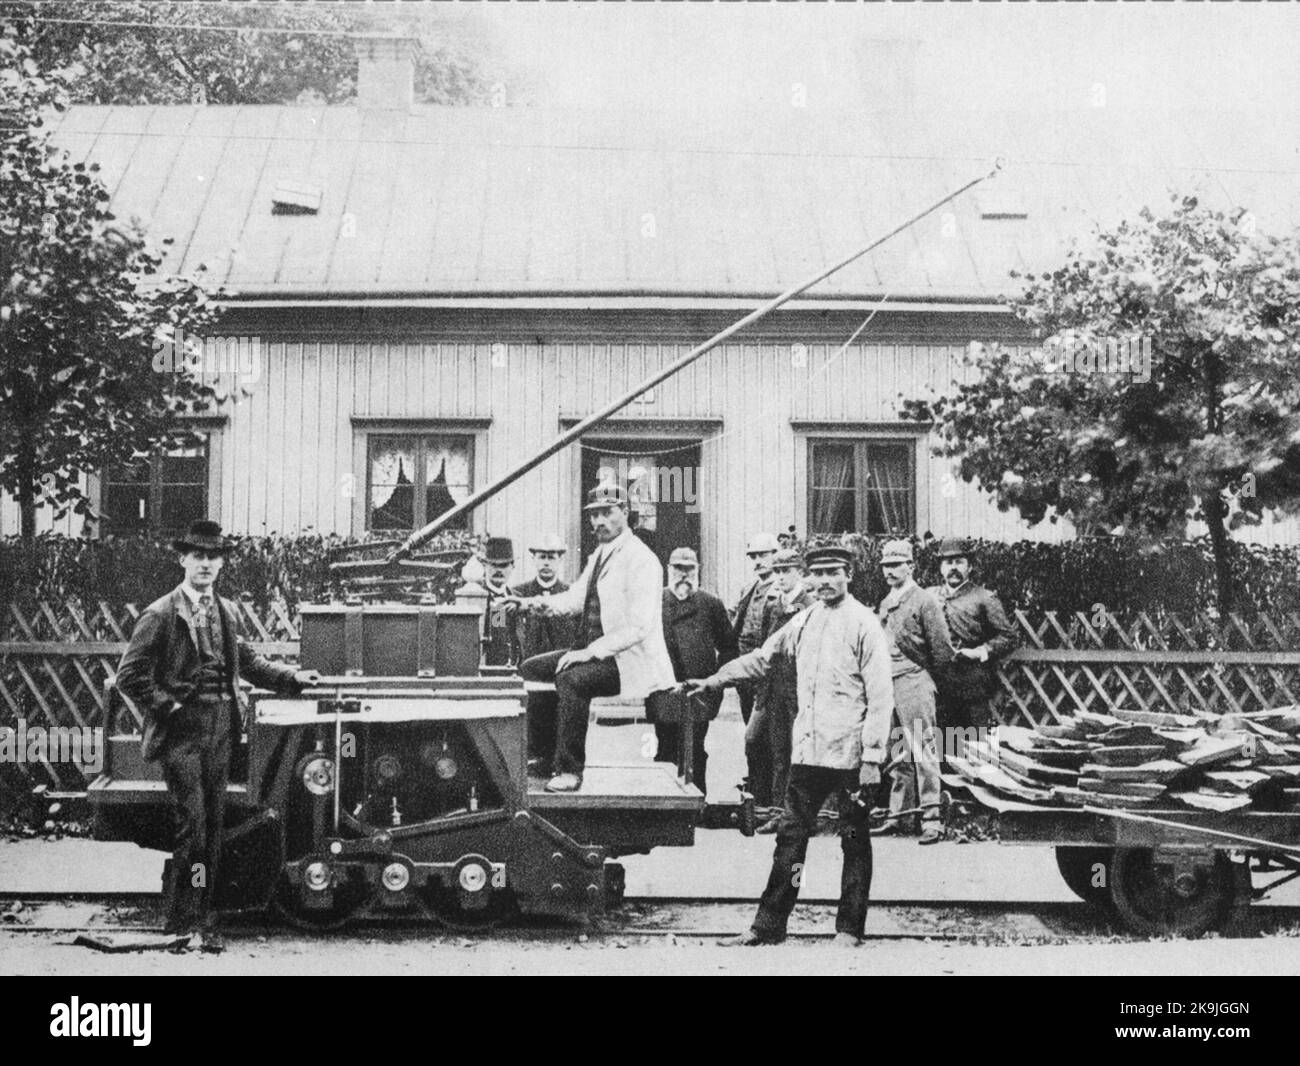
918, 646
840, 731
768, 734
747, 621
982, 634
536, 634
182, 669
498, 561
619, 646
700, 638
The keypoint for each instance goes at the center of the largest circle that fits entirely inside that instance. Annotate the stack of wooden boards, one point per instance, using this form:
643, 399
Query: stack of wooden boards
1142, 758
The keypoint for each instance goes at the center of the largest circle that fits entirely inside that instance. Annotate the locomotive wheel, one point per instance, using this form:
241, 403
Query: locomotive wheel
350, 899
444, 907
1078, 865
1153, 901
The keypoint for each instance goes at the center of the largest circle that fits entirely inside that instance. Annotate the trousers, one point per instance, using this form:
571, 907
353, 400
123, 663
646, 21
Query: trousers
575, 688
808, 789
669, 737
916, 773
768, 740
196, 766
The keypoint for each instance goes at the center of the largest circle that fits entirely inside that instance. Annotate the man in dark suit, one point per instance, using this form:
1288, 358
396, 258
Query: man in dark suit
982, 635
181, 669
769, 735
747, 624
536, 634
700, 639
498, 561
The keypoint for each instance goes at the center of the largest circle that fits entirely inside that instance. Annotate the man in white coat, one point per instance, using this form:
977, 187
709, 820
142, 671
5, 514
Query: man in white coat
619, 647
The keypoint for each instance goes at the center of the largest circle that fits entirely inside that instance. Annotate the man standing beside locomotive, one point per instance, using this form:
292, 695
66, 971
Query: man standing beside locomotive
918, 646
840, 731
747, 622
619, 648
182, 669
536, 634
982, 635
700, 638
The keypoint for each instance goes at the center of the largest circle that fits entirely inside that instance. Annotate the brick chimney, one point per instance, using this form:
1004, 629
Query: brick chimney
385, 71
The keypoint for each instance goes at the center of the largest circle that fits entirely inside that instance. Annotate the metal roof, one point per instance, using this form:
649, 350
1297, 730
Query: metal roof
439, 201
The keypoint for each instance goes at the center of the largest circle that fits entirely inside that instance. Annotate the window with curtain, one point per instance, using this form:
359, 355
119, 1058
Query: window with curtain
159, 492
861, 486
413, 478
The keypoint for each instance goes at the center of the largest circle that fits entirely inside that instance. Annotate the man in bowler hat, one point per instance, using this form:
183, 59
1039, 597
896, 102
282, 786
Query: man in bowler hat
182, 669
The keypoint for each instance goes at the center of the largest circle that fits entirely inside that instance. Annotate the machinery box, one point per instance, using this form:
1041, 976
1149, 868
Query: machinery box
391, 640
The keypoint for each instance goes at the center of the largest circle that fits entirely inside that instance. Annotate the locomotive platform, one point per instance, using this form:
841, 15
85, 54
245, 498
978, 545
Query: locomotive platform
638, 786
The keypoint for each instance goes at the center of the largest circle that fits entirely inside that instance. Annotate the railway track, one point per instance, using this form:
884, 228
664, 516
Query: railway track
646, 919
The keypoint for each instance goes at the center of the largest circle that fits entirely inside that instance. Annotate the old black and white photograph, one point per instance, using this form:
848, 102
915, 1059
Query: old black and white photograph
650, 488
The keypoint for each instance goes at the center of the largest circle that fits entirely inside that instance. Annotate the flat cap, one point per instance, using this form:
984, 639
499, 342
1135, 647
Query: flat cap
787, 559
683, 557
606, 495
828, 555
953, 546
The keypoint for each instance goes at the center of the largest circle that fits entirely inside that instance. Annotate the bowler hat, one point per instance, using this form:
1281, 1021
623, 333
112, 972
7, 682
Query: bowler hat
762, 542
828, 555
896, 551
950, 547
499, 551
205, 536
684, 557
606, 495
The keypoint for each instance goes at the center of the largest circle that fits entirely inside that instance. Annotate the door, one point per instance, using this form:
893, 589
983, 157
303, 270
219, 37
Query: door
662, 480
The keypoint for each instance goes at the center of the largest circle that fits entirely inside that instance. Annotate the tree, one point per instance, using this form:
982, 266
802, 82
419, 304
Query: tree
84, 312
1210, 310
141, 52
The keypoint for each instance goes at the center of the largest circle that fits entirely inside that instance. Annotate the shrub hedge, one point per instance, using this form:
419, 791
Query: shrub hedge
1074, 576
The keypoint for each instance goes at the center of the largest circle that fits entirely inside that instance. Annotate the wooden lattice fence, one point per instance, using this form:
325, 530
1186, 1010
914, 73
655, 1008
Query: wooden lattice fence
55, 662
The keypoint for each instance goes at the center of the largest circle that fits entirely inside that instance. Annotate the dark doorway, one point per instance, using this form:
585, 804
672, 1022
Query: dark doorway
662, 478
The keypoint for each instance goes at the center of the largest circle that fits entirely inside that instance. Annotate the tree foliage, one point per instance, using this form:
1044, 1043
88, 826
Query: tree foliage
83, 311
141, 52
1210, 431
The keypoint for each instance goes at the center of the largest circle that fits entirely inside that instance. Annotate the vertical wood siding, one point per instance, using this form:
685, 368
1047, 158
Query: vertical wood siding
288, 450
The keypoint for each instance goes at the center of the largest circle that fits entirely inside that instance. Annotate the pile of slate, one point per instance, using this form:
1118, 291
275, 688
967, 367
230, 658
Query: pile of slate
1125, 759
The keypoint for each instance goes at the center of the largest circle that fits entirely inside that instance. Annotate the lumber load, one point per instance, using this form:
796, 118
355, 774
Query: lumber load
1157, 718
1237, 780
1217, 749
1141, 789
1139, 758
1162, 771
1209, 800
1128, 755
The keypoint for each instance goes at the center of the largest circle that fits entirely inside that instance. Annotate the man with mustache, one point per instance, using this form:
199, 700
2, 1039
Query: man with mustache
182, 669
768, 735
982, 635
498, 561
846, 699
919, 645
536, 634
619, 647
747, 624
700, 639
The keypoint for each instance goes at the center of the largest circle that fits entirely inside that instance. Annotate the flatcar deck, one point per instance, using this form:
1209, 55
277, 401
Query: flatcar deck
639, 786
